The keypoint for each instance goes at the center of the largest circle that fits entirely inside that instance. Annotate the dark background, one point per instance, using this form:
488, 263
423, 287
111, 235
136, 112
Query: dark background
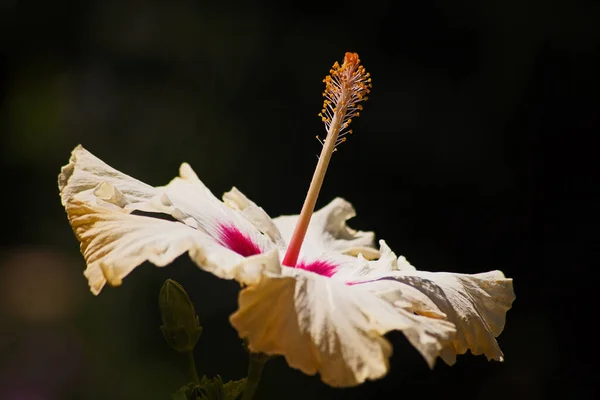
469, 156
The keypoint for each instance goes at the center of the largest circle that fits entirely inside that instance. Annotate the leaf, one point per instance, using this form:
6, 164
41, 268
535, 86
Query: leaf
186, 392
232, 389
210, 389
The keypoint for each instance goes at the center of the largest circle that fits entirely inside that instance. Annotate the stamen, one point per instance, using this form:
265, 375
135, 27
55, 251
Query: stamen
345, 88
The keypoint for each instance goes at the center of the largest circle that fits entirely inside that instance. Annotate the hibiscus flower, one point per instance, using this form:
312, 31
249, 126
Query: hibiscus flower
313, 290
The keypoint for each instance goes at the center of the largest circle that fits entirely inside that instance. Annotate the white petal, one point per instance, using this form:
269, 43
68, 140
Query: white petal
358, 269
388, 261
476, 304
114, 243
254, 214
321, 325
363, 269
190, 195
88, 179
328, 231
85, 173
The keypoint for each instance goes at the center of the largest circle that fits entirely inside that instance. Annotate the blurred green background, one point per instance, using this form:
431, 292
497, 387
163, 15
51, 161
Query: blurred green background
468, 157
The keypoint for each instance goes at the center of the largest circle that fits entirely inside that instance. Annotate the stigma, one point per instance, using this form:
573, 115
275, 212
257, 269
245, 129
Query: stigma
346, 87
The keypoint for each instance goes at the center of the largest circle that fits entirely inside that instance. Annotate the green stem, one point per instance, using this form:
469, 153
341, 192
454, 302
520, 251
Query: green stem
255, 368
192, 366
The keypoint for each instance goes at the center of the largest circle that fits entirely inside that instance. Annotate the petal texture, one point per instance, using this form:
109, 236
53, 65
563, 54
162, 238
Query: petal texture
114, 243
185, 198
254, 214
85, 172
328, 231
321, 325
475, 304
99, 201
88, 179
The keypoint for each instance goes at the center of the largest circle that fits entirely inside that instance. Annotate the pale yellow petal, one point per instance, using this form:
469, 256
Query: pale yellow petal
88, 179
476, 304
85, 172
328, 231
114, 243
256, 215
362, 269
323, 326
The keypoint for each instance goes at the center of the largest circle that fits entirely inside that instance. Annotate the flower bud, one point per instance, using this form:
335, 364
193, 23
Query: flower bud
180, 327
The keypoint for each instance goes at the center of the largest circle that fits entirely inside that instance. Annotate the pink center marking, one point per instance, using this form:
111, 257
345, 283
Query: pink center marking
352, 283
233, 239
319, 267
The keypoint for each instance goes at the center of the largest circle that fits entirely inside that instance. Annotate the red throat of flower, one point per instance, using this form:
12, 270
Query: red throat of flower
345, 88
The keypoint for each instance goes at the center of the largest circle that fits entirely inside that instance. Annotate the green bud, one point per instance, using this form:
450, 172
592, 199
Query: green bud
180, 322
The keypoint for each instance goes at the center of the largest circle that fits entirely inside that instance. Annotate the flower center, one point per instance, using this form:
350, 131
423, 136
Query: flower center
319, 267
233, 239
346, 86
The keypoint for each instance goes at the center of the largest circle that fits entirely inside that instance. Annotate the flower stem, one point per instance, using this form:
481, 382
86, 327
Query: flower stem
255, 367
192, 366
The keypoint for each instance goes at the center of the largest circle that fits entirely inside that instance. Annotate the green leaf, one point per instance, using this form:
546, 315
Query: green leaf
232, 389
210, 389
185, 392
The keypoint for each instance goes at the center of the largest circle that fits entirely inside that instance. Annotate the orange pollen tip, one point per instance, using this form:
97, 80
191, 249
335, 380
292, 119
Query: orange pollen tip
351, 58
